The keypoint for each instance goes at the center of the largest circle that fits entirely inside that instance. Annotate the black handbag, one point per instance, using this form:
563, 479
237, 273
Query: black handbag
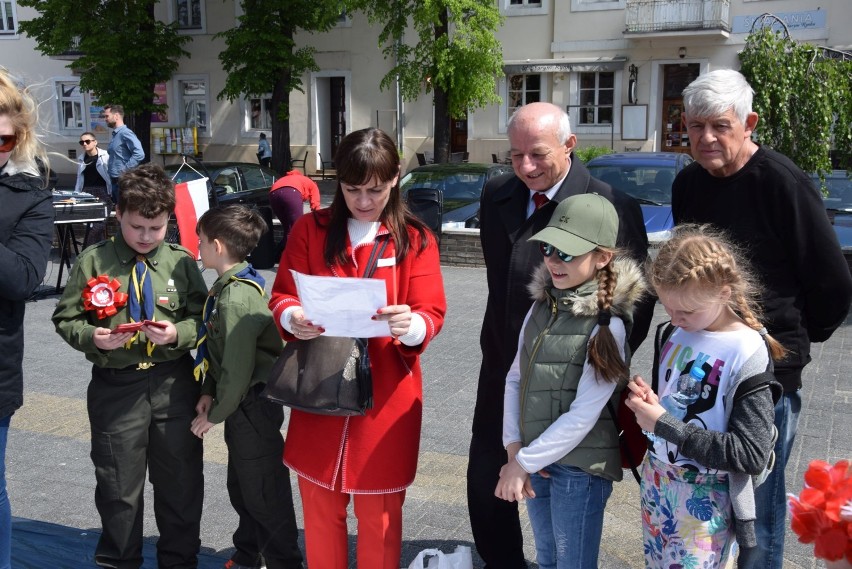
327, 375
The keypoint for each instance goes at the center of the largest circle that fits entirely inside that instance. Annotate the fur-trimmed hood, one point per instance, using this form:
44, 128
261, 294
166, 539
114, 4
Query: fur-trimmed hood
629, 289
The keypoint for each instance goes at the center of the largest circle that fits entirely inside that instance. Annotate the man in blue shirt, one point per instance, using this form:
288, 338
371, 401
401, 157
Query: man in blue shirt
125, 150
264, 151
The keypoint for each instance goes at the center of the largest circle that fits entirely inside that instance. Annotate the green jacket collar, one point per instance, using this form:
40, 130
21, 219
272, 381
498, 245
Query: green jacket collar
225, 279
127, 255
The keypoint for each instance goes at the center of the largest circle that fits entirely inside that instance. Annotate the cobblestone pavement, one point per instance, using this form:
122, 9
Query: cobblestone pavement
51, 479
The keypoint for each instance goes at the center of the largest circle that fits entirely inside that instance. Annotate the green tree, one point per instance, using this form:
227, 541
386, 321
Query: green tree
456, 55
803, 95
262, 57
124, 51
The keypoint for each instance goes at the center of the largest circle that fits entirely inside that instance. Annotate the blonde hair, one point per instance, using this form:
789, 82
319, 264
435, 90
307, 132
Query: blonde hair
704, 259
603, 351
21, 108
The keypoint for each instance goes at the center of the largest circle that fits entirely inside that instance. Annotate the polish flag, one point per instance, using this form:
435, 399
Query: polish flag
192, 202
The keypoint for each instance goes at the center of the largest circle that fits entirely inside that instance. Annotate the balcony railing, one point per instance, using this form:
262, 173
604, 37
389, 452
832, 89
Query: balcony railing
645, 16
73, 52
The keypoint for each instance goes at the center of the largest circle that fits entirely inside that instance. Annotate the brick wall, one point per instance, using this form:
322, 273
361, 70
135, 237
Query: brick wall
461, 247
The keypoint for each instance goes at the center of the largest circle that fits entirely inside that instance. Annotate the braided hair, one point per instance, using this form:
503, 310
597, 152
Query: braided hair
703, 258
603, 350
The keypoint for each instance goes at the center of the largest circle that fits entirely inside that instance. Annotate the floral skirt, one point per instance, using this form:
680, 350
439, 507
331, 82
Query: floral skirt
687, 520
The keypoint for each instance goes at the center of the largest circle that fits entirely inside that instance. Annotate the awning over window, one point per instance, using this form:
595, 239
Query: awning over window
511, 67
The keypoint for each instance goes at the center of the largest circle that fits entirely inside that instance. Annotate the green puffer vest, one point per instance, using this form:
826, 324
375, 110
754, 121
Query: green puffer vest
554, 335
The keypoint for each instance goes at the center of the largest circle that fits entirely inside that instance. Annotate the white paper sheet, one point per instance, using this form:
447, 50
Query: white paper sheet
343, 306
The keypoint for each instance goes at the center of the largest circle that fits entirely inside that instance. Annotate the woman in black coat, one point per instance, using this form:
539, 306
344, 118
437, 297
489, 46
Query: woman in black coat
26, 230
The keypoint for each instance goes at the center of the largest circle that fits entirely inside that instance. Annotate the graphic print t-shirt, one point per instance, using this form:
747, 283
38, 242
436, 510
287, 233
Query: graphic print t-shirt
721, 356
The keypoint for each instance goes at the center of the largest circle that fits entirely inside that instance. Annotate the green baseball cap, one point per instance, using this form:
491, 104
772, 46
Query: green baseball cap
581, 223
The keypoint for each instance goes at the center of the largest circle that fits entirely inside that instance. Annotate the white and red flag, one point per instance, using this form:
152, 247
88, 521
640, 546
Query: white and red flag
192, 202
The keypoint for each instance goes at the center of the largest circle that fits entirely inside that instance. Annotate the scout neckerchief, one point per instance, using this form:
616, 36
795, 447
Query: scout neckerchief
202, 354
141, 301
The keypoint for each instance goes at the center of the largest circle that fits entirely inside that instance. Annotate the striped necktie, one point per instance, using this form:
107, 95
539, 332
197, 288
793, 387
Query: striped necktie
141, 298
141, 292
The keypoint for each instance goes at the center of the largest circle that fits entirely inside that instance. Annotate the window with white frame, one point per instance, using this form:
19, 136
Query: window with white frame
70, 107
260, 113
193, 103
8, 18
597, 96
522, 89
189, 14
524, 7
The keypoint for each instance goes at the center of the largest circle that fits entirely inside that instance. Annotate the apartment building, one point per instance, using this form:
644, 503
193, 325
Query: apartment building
617, 66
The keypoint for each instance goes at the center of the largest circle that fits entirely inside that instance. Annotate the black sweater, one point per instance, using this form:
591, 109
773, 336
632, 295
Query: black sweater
773, 212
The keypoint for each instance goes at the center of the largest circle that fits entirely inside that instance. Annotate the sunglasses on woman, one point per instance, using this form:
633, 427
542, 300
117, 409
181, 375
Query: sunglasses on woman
7, 142
547, 250
85, 142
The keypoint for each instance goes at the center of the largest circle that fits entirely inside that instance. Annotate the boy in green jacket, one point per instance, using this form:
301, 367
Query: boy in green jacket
237, 347
133, 305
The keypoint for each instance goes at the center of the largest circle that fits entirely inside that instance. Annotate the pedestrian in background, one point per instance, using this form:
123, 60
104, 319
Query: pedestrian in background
125, 150
264, 151
26, 232
513, 208
770, 208
93, 178
133, 306
290, 197
238, 345
368, 459
571, 362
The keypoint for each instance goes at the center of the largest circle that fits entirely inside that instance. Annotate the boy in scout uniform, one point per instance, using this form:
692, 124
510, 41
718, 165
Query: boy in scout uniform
239, 344
133, 305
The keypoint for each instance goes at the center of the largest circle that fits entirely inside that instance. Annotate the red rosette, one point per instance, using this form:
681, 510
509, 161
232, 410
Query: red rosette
102, 297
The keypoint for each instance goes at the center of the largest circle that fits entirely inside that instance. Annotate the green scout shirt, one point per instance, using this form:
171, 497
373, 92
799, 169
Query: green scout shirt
242, 342
179, 294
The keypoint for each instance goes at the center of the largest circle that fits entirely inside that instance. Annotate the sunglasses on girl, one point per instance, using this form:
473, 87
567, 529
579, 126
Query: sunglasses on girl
547, 250
85, 142
7, 142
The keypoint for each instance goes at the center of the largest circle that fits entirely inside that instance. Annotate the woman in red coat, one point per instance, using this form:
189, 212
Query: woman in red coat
371, 457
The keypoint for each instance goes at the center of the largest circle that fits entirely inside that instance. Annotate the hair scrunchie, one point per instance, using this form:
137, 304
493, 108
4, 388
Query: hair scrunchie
763, 331
604, 317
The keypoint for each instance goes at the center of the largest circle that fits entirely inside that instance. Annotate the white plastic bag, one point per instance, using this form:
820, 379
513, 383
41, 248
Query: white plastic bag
459, 559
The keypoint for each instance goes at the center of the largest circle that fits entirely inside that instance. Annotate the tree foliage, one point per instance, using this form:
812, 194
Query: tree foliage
452, 53
262, 57
803, 96
124, 50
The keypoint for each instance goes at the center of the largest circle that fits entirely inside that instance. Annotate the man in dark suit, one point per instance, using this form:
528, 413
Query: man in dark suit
513, 208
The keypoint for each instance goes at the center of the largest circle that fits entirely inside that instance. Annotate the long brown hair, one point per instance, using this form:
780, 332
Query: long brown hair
704, 258
364, 155
603, 350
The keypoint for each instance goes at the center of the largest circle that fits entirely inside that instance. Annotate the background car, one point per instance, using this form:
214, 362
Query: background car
231, 182
461, 185
838, 204
648, 177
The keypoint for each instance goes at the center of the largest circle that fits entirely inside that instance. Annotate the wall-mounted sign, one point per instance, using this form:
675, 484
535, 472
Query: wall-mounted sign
808, 20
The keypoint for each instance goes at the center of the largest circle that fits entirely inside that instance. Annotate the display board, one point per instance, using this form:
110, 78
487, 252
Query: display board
634, 122
174, 140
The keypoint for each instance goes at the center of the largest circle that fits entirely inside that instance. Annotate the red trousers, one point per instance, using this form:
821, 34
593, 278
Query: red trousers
326, 536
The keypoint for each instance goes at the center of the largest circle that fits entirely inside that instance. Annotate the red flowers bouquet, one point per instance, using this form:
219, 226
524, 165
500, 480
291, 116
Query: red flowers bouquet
822, 512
